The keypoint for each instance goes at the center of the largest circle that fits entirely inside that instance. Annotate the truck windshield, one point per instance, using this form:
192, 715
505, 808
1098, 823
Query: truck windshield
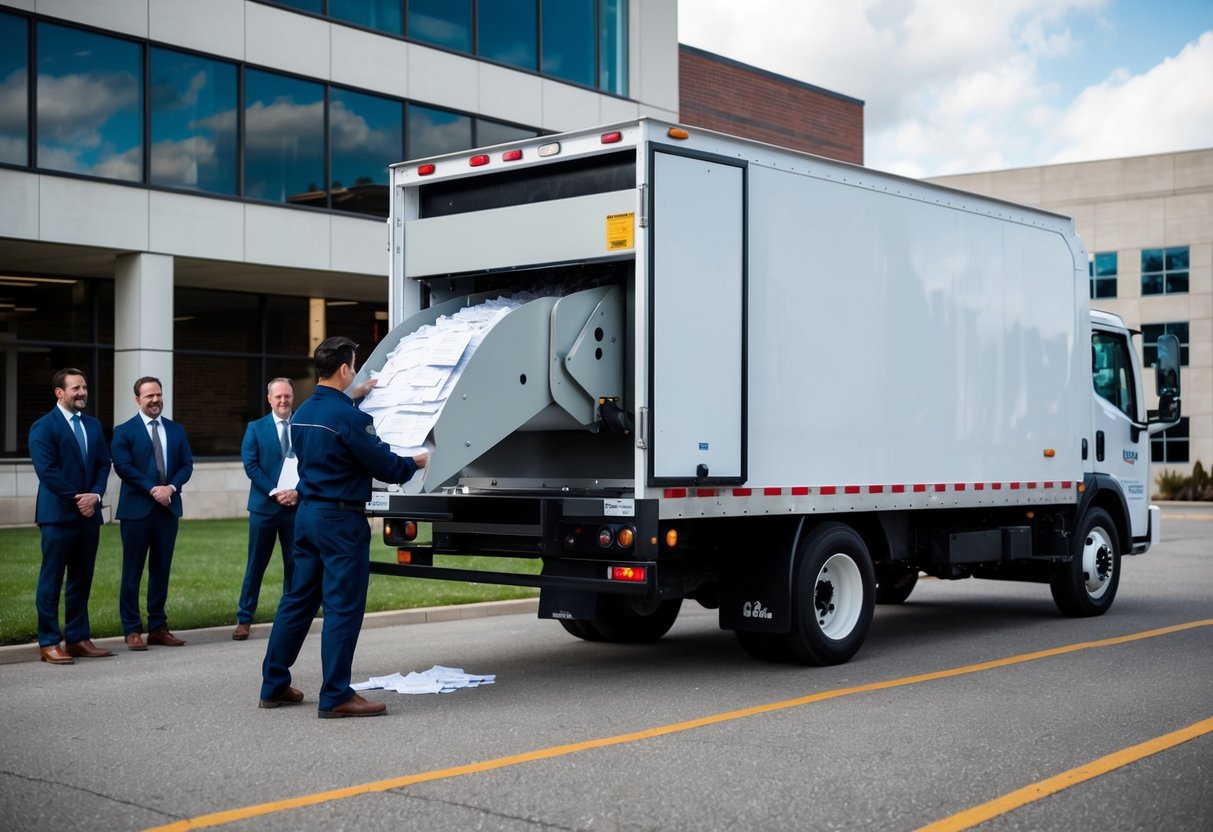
1111, 368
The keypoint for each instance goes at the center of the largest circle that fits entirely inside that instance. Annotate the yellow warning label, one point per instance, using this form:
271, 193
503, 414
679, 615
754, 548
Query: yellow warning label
620, 231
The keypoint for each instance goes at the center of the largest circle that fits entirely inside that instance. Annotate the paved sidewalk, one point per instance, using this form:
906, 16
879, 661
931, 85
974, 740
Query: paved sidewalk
373, 620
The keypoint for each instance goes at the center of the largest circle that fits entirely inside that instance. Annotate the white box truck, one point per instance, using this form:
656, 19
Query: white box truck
771, 383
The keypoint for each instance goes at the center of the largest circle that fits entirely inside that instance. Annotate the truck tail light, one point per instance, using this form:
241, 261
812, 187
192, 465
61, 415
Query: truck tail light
671, 538
612, 138
397, 531
626, 537
511, 155
425, 170
605, 537
632, 574
478, 161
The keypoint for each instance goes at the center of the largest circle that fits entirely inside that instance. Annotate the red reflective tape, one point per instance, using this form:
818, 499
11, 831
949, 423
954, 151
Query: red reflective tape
1048, 485
960, 486
996, 486
940, 487
828, 489
875, 489
850, 489
705, 492
742, 492
1014, 486
919, 488
675, 493
772, 492
1031, 485
1067, 484
979, 486
800, 491
898, 489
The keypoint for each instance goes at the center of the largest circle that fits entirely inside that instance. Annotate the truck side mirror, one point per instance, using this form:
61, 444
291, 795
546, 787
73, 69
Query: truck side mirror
1166, 378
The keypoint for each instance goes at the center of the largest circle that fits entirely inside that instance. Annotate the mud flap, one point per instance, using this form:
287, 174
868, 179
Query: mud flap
568, 605
760, 600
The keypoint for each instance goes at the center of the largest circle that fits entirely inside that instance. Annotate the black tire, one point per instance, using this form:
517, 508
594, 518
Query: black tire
894, 582
766, 647
1086, 586
622, 620
834, 594
581, 629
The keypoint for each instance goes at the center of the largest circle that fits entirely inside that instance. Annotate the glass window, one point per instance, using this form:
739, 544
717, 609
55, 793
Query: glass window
193, 122
47, 323
1149, 341
1164, 271
1102, 267
1112, 371
432, 132
90, 104
14, 90
445, 23
313, 6
284, 138
382, 15
567, 36
613, 46
364, 321
1171, 445
495, 132
366, 135
508, 31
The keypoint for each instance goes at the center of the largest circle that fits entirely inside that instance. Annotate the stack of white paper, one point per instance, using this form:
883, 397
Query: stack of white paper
437, 679
419, 375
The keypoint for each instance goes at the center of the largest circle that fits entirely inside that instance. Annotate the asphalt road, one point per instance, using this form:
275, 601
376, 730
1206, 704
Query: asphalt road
929, 720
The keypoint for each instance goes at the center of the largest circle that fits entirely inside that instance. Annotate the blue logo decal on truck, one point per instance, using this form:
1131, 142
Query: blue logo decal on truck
1130, 457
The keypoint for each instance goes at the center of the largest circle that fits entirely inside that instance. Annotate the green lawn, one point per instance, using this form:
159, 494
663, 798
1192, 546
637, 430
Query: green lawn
208, 569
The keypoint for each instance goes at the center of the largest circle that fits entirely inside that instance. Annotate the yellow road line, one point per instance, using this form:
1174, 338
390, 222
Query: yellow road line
257, 810
1029, 794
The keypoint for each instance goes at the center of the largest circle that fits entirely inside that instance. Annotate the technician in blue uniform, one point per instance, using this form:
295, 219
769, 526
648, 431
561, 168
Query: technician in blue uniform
153, 458
338, 454
271, 510
72, 463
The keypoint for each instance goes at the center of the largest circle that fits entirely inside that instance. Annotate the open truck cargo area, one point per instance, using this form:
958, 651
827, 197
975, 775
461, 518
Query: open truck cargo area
771, 383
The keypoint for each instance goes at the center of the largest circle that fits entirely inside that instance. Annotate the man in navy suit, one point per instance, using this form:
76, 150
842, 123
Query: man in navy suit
72, 463
153, 458
271, 509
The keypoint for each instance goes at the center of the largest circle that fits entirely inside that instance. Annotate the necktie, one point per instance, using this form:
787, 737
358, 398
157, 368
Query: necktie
78, 427
158, 451
286, 438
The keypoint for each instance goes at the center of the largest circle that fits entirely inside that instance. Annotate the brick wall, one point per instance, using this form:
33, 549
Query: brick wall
731, 97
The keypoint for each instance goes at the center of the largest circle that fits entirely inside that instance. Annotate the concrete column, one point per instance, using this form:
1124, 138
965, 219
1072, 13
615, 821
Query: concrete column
143, 328
317, 322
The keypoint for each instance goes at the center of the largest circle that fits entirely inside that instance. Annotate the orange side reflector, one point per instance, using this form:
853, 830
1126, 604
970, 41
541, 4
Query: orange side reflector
678, 133
1050, 453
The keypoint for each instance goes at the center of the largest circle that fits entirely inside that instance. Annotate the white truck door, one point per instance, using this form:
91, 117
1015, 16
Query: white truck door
697, 325
1121, 450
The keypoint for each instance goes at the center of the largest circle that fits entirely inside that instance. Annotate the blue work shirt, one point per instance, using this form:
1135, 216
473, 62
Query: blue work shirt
339, 452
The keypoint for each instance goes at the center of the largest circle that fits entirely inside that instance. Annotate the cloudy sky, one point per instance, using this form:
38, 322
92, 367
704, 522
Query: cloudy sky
955, 86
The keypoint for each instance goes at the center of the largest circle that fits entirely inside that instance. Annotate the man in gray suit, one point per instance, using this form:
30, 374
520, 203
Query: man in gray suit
271, 509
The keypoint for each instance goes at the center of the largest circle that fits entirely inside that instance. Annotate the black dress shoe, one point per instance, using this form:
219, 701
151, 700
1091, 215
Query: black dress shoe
354, 706
290, 696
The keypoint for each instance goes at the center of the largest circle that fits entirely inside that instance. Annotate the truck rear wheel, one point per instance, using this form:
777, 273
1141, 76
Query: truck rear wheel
895, 582
833, 596
625, 621
1086, 586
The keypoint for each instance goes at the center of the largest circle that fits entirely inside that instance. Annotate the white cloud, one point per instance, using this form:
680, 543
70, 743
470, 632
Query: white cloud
1168, 108
956, 87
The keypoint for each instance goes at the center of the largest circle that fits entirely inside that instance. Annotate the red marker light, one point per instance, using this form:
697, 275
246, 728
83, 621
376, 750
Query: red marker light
511, 155
477, 161
612, 137
425, 170
634, 574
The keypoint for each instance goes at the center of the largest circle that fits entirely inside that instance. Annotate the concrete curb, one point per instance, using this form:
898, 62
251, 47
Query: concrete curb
11, 654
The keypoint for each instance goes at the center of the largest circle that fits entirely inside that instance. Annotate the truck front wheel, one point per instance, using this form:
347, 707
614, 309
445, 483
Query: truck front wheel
833, 596
1087, 584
